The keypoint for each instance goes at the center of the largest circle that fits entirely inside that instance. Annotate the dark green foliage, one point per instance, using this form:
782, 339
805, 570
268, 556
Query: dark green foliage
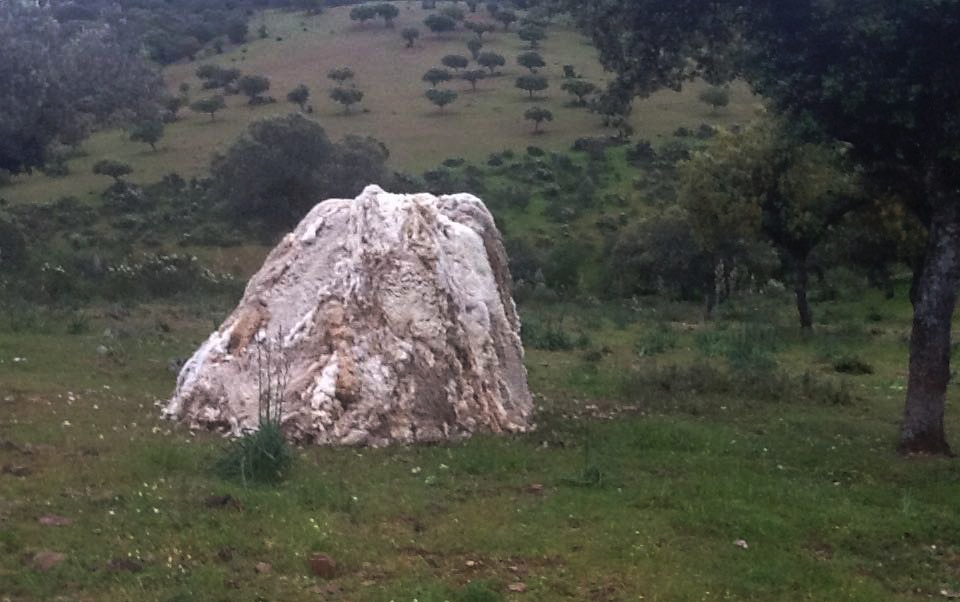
473, 76
474, 45
149, 131
537, 115
491, 60
441, 97
851, 364
209, 105
436, 75
454, 12
13, 244
388, 11
299, 95
715, 96
410, 34
438, 23
531, 60
253, 86
506, 17
283, 166
340, 75
215, 76
62, 79
114, 169
479, 28
455, 61
579, 88
659, 255
532, 83
363, 13
532, 34
237, 31
262, 457
347, 97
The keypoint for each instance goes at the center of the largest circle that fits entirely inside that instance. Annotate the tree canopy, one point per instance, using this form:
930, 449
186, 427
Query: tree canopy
878, 75
58, 79
283, 166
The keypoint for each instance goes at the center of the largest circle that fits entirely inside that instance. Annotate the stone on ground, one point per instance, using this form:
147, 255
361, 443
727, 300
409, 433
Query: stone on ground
388, 318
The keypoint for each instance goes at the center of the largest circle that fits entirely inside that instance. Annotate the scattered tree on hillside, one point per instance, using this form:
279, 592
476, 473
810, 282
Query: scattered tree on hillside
614, 109
436, 75
215, 76
57, 79
473, 76
148, 131
438, 23
347, 97
363, 13
532, 83
209, 105
340, 75
531, 60
532, 34
253, 86
441, 97
172, 105
454, 12
506, 17
537, 115
715, 96
492, 7
491, 60
112, 168
762, 183
281, 166
472, 5
579, 88
410, 34
818, 65
479, 27
474, 45
388, 11
455, 61
299, 96
237, 31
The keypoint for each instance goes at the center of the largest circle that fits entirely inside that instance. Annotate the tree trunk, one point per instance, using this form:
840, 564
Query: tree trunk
934, 301
800, 293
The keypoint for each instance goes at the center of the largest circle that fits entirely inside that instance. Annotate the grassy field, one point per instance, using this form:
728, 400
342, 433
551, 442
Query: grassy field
394, 108
645, 479
674, 459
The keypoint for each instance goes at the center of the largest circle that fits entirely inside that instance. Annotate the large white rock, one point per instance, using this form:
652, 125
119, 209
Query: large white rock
396, 324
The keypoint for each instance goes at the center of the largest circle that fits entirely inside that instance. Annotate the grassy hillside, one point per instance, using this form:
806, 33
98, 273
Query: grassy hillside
394, 108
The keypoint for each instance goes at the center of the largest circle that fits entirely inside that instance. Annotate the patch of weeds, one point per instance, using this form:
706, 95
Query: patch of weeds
78, 324
657, 384
851, 364
591, 474
749, 350
549, 334
479, 591
262, 455
660, 339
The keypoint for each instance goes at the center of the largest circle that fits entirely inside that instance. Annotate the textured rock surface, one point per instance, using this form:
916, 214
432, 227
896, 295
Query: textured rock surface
395, 321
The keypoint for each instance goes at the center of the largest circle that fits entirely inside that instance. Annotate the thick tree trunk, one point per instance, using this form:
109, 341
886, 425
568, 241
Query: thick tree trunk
800, 293
934, 300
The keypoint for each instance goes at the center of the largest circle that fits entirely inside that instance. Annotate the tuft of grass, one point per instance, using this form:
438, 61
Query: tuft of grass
261, 456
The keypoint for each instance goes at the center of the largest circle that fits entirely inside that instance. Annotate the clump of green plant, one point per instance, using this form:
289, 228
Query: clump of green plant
658, 340
851, 364
263, 455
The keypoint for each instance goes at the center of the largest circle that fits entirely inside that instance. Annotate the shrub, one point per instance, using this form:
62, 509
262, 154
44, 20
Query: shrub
263, 455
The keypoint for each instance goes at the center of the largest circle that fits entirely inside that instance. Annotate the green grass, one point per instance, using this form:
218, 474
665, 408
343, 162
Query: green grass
389, 74
617, 495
